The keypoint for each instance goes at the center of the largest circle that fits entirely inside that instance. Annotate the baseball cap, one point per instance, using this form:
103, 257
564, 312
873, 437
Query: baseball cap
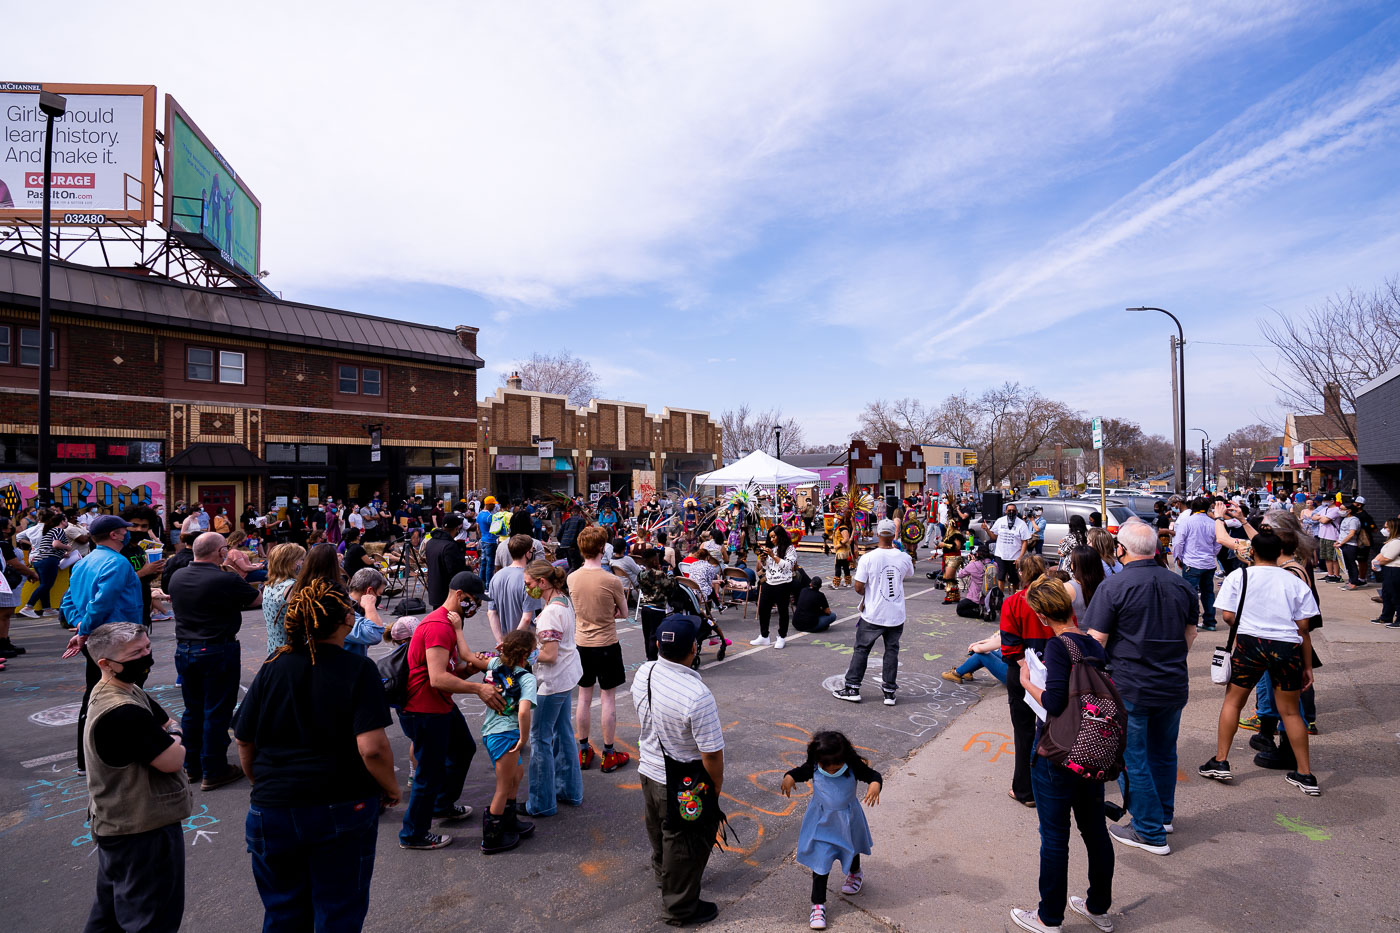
1360, 500
471, 584
106, 524
678, 627
885, 528
489, 500
402, 630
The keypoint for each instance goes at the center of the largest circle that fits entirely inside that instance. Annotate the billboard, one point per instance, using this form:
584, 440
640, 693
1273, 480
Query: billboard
206, 203
103, 154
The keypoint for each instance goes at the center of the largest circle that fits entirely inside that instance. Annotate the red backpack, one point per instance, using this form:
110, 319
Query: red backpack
1089, 735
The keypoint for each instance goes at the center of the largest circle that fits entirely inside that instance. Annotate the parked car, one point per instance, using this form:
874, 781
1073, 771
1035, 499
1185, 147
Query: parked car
1143, 505
1057, 513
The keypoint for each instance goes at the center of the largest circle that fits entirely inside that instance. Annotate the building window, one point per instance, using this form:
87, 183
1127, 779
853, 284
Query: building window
349, 380
231, 367
945, 457
29, 347
4, 345
369, 381
199, 364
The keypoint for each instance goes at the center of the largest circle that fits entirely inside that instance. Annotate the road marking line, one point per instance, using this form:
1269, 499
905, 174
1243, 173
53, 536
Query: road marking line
48, 759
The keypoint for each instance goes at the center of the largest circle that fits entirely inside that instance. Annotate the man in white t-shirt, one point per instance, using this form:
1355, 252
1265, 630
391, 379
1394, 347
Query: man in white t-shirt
879, 579
1010, 536
1270, 610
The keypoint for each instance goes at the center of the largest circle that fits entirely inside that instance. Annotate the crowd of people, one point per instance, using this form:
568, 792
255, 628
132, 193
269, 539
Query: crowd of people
556, 579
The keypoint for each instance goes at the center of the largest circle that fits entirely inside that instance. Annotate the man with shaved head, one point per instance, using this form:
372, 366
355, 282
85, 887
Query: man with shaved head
1145, 616
208, 604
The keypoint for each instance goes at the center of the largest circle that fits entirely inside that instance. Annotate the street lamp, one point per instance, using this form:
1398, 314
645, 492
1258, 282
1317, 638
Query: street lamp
1180, 426
53, 105
778, 441
1205, 443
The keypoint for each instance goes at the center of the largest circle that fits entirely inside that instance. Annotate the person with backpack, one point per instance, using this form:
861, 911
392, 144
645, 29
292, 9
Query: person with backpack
1067, 770
1145, 616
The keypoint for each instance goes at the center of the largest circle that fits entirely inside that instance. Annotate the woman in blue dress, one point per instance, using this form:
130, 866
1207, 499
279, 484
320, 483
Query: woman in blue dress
834, 827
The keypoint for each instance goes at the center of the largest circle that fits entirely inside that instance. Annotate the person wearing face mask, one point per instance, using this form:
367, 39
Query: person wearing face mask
1011, 537
221, 523
296, 521
102, 588
137, 790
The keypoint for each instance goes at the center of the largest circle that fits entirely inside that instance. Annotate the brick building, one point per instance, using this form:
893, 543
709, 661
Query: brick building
589, 449
168, 392
1318, 450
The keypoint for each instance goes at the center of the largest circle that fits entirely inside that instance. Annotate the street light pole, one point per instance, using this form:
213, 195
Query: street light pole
1181, 397
1205, 444
778, 442
53, 105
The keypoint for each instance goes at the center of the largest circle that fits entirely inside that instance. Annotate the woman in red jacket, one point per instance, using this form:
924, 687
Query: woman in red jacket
1022, 629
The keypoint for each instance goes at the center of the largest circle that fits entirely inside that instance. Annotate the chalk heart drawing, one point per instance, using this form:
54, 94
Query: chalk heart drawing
65, 715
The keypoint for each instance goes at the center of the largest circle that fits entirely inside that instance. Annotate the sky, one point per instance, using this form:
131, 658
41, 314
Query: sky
803, 205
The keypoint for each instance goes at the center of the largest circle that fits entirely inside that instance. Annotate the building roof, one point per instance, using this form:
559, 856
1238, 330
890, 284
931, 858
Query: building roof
132, 299
1266, 466
1391, 373
1319, 427
217, 460
812, 461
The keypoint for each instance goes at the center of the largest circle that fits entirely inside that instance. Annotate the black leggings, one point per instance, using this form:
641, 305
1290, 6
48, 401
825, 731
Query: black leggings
770, 595
819, 881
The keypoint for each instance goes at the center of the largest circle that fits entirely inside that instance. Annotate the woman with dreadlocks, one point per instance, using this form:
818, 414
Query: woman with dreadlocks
311, 739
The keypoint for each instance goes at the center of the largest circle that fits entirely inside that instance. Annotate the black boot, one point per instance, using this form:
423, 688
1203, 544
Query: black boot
513, 822
494, 836
1264, 741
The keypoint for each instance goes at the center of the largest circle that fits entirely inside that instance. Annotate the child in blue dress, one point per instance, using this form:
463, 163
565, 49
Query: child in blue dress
834, 827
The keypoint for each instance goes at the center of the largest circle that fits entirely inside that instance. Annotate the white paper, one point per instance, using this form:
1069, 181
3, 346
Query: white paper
1037, 669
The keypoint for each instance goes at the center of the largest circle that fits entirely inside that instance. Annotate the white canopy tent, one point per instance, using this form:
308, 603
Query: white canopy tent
759, 469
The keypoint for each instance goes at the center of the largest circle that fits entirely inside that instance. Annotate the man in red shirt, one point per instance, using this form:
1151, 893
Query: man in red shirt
1021, 628
438, 663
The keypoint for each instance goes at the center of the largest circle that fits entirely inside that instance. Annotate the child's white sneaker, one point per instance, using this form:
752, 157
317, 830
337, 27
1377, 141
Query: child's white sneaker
818, 917
854, 881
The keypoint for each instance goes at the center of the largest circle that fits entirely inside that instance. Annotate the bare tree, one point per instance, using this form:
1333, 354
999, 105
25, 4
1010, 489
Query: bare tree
1004, 425
904, 421
1349, 340
559, 373
745, 431
1242, 446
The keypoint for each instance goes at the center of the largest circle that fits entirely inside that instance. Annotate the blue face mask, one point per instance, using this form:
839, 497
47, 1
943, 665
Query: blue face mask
841, 772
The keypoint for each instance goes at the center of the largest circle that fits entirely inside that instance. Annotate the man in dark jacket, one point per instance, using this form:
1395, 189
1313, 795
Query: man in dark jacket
445, 558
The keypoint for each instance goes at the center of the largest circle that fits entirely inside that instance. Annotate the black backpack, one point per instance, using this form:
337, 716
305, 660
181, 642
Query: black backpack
393, 673
1089, 736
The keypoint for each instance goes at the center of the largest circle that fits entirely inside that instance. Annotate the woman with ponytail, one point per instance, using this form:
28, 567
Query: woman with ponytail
311, 739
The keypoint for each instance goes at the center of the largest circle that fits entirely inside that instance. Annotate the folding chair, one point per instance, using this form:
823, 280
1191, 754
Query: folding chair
739, 585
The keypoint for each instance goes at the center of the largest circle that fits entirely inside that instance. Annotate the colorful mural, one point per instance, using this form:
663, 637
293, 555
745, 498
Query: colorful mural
112, 492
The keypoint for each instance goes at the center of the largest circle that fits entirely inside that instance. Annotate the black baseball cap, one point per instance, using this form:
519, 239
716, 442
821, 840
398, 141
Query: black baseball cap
469, 583
678, 627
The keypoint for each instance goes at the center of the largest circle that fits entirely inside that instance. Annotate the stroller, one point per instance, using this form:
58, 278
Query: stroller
709, 629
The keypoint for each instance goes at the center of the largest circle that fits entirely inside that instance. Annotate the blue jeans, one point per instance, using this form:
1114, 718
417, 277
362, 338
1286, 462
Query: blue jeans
554, 769
443, 747
487, 549
991, 661
47, 569
256, 576
313, 864
1264, 701
1058, 793
209, 685
1149, 773
1203, 582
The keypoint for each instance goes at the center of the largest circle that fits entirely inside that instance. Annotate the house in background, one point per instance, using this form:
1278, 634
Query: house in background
1318, 451
1378, 444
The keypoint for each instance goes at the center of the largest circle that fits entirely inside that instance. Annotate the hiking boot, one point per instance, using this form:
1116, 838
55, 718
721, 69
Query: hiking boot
585, 757
429, 841
847, 693
1250, 723
1101, 921
212, 781
614, 760
494, 835
1129, 837
456, 813
1304, 782
513, 822
1216, 770
1263, 743
954, 677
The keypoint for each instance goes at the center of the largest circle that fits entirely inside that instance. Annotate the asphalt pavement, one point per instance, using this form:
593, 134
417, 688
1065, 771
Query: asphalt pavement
585, 869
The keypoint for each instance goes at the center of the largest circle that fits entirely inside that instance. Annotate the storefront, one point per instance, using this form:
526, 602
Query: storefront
527, 474
312, 472
611, 472
680, 470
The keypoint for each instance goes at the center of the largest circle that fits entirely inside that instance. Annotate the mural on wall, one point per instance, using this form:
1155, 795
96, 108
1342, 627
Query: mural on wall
111, 492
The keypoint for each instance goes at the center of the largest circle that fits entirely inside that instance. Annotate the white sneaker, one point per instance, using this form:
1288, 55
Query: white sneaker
1101, 921
818, 920
1030, 920
1168, 828
854, 882
761, 641
781, 642
28, 612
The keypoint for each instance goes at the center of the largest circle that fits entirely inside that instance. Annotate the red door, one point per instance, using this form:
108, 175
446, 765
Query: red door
217, 497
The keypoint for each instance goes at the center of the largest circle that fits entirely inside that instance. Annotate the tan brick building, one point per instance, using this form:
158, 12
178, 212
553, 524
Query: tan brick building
588, 449
204, 394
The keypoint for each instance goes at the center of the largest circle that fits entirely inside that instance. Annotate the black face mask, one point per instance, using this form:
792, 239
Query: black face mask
136, 670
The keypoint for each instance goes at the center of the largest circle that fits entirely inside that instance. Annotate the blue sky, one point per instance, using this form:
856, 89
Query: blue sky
809, 205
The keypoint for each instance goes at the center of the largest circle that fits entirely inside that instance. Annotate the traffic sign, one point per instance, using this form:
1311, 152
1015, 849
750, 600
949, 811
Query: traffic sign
1098, 434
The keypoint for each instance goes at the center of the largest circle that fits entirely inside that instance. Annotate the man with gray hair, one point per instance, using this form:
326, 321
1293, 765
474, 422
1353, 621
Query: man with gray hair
1145, 616
208, 605
366, 586
138, 794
